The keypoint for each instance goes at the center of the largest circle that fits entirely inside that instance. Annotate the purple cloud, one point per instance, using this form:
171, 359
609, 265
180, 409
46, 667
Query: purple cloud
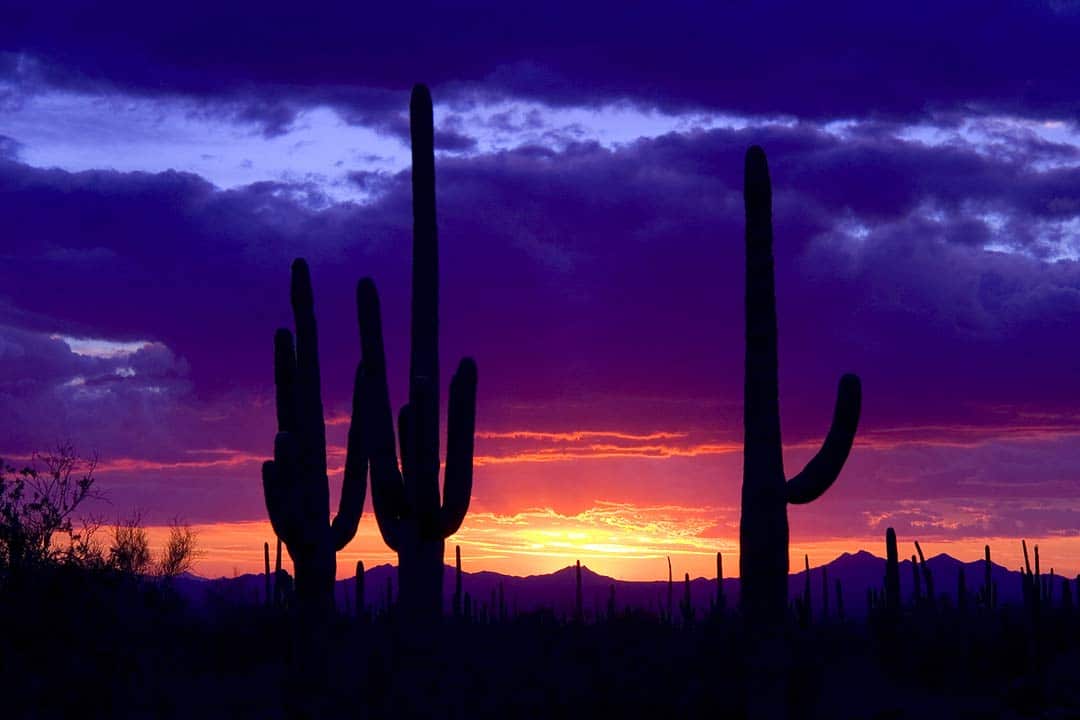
597, 287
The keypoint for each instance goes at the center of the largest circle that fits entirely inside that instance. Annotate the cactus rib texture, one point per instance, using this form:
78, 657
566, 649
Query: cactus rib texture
763, 553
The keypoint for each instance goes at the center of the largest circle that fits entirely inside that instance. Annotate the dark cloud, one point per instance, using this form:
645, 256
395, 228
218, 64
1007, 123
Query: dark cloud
596, 287
840, 59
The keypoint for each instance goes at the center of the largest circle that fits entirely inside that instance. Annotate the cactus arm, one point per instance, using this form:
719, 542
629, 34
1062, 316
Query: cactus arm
820, 473
387, 489
280, 490
461, 424
276, 500
354, 483
308, 394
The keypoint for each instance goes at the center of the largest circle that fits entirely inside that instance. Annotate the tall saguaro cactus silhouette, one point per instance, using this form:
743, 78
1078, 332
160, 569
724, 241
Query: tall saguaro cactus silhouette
294, 483
763, 531
892, 572
413, 519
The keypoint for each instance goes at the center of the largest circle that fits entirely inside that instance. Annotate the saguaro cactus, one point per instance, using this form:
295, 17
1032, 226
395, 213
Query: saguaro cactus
720, 601
892, 572
916, 593
457, 581
928, 577
413, 519
266, 573
825, 592
961, 589
687, 608
277, 574
294, 483
579, 613
359, 587
763, 530
670, 591
807, 606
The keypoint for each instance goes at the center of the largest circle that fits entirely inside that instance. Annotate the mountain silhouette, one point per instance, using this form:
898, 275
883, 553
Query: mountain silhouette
856, 572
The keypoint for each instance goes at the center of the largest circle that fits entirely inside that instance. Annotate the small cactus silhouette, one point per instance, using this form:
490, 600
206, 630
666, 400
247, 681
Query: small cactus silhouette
413, 520
928, 578
295, 485
806, 589
457, 581
763, 529
825, 592
686, 607
579, 614
892, 572
360, 610
961, 589
720, 601
916, 596
266, 573
670, 592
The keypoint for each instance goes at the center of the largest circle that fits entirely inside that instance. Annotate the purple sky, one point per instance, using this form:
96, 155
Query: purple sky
161, 166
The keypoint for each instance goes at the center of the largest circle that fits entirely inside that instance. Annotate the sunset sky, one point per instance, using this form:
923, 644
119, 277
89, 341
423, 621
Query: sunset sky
162, 164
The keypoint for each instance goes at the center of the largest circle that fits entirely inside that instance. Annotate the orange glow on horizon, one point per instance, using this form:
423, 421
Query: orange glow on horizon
540, 541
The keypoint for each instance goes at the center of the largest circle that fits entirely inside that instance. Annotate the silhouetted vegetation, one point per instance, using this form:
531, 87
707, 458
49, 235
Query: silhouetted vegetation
144, 649
38, 503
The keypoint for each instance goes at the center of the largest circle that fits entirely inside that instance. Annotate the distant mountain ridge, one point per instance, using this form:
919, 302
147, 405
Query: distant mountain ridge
856, 572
